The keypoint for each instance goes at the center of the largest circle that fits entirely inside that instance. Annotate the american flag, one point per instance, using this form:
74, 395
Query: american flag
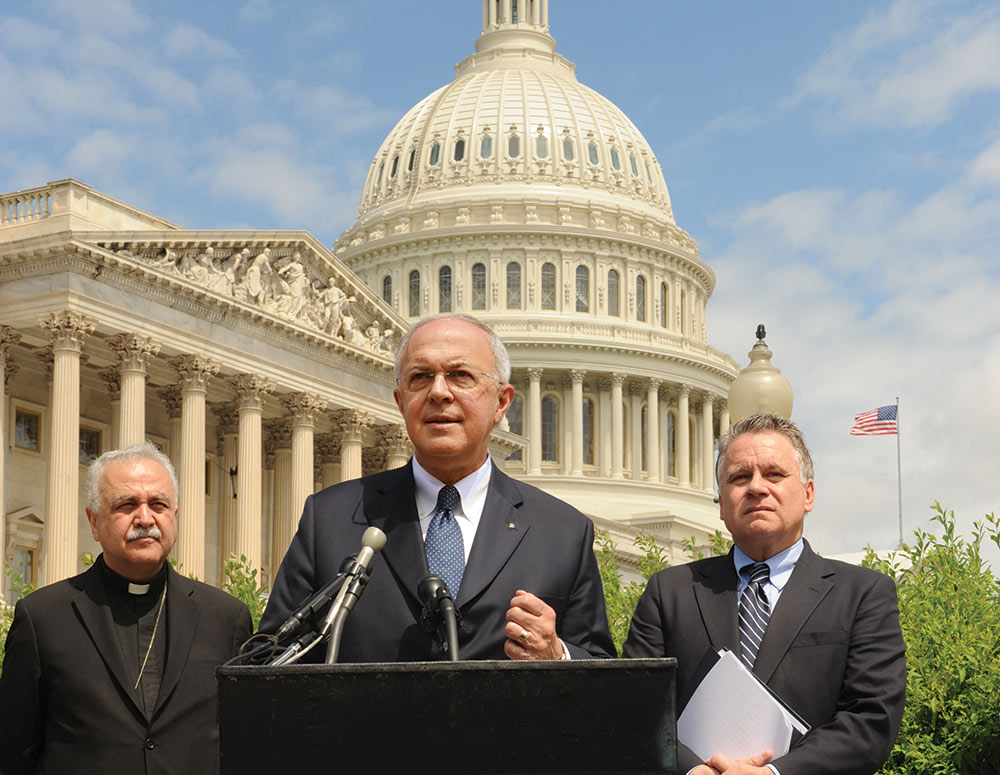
877, 422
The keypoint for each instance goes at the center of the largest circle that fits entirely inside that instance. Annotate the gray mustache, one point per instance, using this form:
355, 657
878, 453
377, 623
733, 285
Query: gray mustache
144, 532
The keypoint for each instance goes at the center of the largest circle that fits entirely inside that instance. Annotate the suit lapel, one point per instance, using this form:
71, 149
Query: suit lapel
715, 592
91, 603
810, 582
496, 539
183, 613
388, 503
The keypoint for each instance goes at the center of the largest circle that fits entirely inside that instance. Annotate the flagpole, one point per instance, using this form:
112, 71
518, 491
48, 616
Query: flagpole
899, 475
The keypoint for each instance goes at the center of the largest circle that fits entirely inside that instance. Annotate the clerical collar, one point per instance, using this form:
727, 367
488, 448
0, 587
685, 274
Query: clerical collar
122, 584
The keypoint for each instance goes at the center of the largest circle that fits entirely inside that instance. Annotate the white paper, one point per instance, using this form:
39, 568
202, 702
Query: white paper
732, 713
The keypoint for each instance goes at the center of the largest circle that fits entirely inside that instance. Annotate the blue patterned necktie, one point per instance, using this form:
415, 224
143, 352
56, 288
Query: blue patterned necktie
754, 611
443, 544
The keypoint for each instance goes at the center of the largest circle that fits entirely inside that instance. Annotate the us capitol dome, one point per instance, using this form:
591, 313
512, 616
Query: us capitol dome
519, 195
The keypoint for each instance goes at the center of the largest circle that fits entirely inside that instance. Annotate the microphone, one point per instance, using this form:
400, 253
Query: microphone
315, 604
439, 610
371, 543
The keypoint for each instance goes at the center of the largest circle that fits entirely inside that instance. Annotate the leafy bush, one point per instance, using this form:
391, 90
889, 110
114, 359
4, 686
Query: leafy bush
19, 588
241, 583
949, 604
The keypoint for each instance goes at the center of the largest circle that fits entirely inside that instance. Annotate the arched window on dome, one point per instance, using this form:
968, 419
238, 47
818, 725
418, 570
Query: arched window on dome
569, 152
582, 289
486, 147
614, 293
515, 423
415, 294
513, 285
394, 166
541, 146
592, 152
588, 432
616, 162
435, 154
409, 163
514, 146
684, 310
444, 289
663, 305
378, 179
387, 289
550, 429
548, 285
633, 165
459, 149
649, 175
478, 286
640, 298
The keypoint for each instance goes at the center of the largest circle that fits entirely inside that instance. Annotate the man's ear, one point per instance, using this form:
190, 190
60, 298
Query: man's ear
92, 519
504, 398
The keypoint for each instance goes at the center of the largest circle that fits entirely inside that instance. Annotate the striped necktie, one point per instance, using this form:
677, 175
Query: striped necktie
754, 611
443, 543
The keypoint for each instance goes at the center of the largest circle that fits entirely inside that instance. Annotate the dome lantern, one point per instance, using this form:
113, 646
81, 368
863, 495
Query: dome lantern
761, 387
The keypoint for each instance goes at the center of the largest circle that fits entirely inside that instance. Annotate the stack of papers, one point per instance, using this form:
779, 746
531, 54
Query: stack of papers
731, 712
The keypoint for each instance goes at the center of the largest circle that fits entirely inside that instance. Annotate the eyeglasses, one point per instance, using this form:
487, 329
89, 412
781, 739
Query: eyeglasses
459, 380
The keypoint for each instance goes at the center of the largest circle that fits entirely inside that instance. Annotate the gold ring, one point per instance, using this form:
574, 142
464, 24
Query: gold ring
523, 637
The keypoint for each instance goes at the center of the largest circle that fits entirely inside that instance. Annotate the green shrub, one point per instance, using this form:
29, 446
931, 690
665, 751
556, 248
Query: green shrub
241, 583
949, 605
18, 588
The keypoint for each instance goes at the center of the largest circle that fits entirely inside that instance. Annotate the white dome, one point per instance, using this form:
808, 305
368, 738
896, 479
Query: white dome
515, 122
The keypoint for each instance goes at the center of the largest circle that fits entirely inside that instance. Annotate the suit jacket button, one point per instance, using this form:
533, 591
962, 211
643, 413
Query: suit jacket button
150, 743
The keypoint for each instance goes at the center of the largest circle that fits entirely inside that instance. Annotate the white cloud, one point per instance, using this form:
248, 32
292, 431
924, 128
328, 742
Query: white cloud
101, 151
189, 42
114, 18
911, 65
985, 168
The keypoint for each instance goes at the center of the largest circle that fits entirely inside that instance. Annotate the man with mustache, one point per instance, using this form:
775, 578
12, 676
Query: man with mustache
112, 671
520, 563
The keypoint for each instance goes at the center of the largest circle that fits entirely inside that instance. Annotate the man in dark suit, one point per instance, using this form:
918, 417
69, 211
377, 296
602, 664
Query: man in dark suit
519, 562
824, 635
112, 671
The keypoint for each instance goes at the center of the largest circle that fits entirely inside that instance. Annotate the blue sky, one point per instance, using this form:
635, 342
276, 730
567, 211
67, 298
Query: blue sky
838, 164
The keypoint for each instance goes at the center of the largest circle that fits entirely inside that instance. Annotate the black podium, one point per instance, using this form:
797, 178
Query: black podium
586, 717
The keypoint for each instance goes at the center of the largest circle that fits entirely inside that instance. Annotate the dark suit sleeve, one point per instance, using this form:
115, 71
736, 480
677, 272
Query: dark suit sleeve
22, 700
296, 576
645, 641
584, 625
858, 738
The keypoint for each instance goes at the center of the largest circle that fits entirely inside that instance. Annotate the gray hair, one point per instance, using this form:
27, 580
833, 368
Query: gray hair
501, 359
767, 423
132, 454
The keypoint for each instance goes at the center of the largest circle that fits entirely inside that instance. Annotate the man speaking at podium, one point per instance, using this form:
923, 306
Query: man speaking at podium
519, 563
822, 634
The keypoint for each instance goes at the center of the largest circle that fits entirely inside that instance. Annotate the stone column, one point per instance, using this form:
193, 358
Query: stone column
133, 353
653, 430
328, 447
68, 331
282, 524
352, 424
617, 427
707, 438
566, 425
683, 437
723, 418
302, 408
398, 446
8, 339
577, 376
228, 428
111, 378
635, 393
195, 372
603, 433
171, 397
534, 421
250, 390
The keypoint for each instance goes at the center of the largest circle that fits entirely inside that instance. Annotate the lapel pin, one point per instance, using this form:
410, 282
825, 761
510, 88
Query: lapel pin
511, 526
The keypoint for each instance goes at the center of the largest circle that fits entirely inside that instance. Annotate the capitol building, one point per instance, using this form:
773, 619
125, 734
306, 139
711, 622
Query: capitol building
262, 361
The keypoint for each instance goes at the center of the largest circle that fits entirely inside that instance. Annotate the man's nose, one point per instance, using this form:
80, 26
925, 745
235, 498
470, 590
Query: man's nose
758, 484
144, 515
440, 388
